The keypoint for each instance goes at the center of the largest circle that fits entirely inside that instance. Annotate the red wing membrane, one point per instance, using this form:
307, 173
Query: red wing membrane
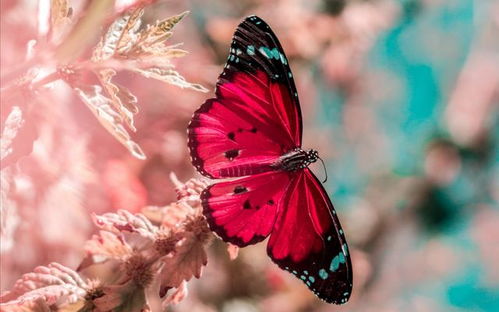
307, 240
255, 116
243, 211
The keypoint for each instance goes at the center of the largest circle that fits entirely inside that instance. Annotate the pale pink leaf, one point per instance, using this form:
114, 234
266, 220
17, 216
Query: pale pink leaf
185, 263
120, 37
169, 76
122, 99
122, 298
177, 296
17, 136
60, 18
104, 247
9, 216
124, 221
159, 32
54, 284
174, 214
188, 191
233, 251
38, 305
102, 107
84, 31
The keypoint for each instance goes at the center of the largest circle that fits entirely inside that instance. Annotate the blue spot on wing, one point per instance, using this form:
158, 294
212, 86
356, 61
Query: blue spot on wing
335, 263
323, 274
273, 54
250, 50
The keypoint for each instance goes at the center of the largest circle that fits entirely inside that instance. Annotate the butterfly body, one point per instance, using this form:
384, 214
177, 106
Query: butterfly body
250, 136
296, 159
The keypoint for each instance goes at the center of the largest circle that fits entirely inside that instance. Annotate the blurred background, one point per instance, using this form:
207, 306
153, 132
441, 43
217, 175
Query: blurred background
400, 97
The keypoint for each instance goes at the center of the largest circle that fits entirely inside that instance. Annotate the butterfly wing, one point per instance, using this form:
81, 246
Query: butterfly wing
307, 240
243, 211
255, 117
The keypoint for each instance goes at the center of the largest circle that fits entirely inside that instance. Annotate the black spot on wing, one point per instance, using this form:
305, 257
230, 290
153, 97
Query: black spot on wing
240, 189
247, 205
231, 154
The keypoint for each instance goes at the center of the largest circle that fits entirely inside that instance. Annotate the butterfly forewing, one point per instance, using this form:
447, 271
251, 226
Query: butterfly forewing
307, 240
256, 47
255, 116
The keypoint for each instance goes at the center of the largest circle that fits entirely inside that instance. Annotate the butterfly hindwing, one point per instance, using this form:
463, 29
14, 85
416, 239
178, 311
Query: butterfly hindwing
307, 240
243, 211
255, 116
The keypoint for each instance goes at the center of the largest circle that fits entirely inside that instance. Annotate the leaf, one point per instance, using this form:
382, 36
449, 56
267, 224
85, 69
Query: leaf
123, 39
84, 32
160, 31
189, 191
187, 262
59, 11
9, 216
166, 25
102, 107
122, 99
38, 305
124, 221
158, 54
233, 251
54, 284
127, 297
130, 32
60, 17
174, 214
170, 216
177, 296
103, 247
171, 52
170, 76
18, 135
120, 37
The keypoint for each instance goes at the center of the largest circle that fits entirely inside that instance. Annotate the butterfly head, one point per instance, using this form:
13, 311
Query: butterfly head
312, 156
296, 159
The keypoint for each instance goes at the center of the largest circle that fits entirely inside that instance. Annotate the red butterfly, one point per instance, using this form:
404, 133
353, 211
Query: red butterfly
252, 131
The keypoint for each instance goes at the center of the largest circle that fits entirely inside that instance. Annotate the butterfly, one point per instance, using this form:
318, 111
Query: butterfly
250, 136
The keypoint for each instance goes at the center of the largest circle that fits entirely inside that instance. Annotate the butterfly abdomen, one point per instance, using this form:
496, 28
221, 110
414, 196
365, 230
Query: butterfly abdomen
296, 159
244, 170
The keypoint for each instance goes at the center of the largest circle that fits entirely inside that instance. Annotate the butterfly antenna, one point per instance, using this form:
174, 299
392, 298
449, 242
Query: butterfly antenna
324, 166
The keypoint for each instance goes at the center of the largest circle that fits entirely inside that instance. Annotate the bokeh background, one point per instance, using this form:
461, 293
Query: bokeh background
400, 97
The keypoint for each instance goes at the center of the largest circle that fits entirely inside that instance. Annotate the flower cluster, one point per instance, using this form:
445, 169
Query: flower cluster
130, 255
